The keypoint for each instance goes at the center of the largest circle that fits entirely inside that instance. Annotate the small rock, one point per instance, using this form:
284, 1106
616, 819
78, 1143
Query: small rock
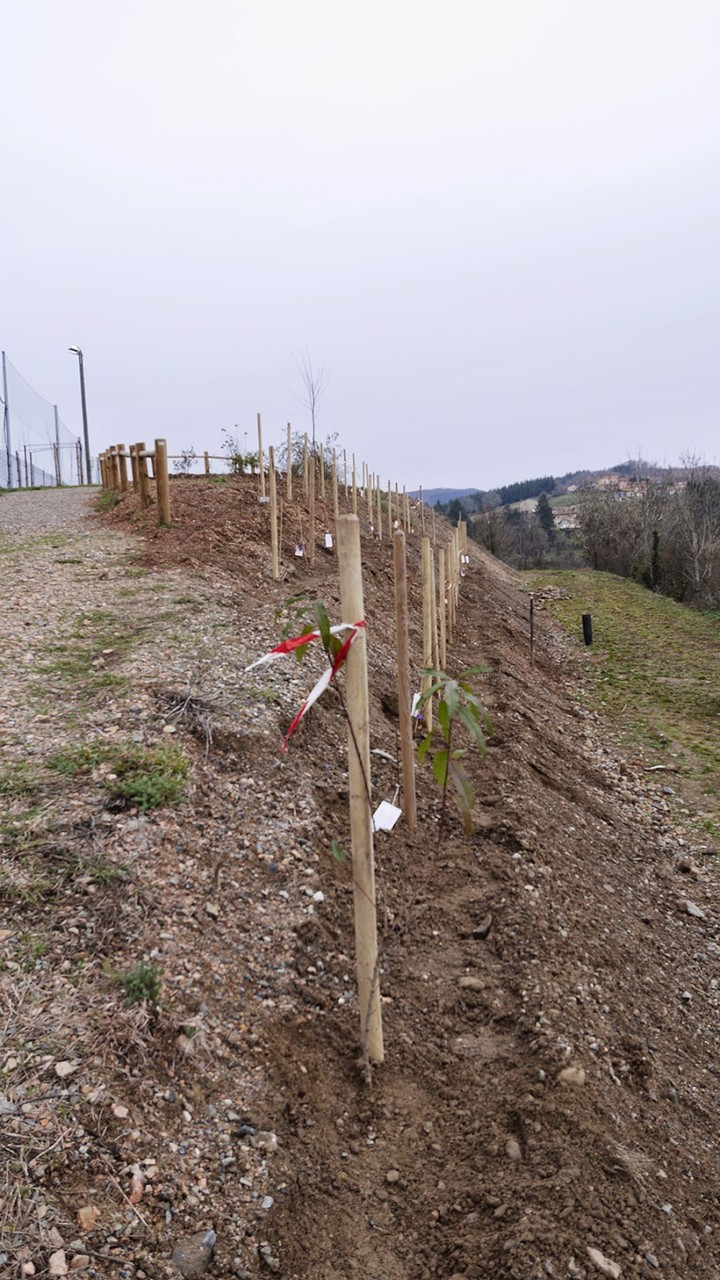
87, 1217
471, 984
57, 1264
692, 909
483, 929
55, 1240
80, 1262
571, 1076
602, 1264
392, 1175
686, 996
63, 1069
512, 1150
652, 1260
119, 1111
212, 909
264, 1140
191, 1257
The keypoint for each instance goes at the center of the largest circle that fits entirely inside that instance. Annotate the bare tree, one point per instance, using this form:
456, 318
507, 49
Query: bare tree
314, 383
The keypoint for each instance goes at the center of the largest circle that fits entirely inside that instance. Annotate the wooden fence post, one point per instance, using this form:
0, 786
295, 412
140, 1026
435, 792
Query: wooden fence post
427, 596
142, 474
403, 679
361, 823
56, 463
289, 463
273, 516
206, 458
162, 481
122, 469
134, 468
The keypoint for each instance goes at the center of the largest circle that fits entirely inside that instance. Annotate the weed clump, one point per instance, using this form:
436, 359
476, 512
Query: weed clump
141, 984
106, 501
143, 778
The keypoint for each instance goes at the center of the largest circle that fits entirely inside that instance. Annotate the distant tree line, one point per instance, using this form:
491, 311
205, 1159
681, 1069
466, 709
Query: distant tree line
662, 529
664, 533
457, 508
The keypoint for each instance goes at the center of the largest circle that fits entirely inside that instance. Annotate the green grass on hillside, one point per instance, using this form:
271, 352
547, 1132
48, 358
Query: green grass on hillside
654, 670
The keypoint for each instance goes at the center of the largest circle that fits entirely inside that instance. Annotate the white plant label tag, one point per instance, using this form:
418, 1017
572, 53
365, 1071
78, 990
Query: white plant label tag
414, 705
299, 549
328, 542
385, 816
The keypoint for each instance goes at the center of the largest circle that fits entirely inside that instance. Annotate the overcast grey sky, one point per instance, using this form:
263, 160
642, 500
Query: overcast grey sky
493, 222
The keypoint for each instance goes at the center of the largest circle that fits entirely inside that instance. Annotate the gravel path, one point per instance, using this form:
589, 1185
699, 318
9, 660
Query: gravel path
31, 513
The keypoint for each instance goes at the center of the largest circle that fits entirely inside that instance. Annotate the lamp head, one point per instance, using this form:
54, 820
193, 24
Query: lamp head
75, 350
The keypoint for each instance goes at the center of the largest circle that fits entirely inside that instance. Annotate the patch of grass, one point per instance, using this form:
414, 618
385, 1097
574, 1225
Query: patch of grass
19, 780
141, 983
653, 668
106, 501
139, 777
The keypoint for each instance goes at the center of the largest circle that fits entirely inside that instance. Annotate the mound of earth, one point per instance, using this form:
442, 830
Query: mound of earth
548, 1102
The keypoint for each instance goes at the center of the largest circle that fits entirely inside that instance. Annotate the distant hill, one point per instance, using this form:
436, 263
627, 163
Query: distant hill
431, 496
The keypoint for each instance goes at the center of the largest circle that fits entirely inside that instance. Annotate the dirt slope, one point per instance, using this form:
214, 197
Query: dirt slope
556, 939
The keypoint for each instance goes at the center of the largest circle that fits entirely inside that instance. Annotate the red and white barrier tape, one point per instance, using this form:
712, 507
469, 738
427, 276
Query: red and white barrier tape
289, 646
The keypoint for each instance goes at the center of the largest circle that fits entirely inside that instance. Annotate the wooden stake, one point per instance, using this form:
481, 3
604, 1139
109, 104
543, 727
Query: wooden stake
422, 512
442, 608
434, 531
289, 463
356, 685
390, 510
206, 457
403, 679
273, 516
435, 642
261, 460
305, 467
134, 468
311, 513
322, 473
345, 472
427, 596
336, 508
354, 487
162, 481
378, 495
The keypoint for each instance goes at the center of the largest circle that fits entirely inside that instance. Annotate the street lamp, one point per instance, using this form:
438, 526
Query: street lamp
77, 351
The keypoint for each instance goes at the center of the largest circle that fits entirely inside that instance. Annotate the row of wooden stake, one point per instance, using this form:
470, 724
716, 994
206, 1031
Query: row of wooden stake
440, 598
442, 611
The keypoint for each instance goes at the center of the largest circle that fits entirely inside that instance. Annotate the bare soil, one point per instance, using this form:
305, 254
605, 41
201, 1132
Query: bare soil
550, 999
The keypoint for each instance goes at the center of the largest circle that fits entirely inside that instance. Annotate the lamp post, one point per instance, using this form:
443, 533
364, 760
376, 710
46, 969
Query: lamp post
88, 464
